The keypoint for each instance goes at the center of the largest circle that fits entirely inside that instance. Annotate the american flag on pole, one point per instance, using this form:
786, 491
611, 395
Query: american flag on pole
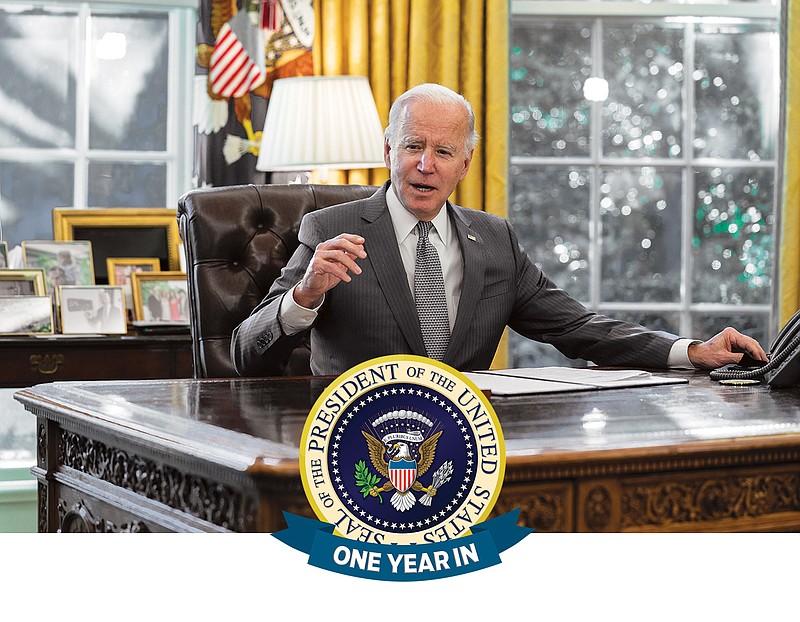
238, 64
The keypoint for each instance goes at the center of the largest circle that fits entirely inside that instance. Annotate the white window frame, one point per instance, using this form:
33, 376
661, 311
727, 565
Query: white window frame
178, 155
597, 10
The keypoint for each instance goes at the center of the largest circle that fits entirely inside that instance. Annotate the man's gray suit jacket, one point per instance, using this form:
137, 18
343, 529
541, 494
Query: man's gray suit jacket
374, 315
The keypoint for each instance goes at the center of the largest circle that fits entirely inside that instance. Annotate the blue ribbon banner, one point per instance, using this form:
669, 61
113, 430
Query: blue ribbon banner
394, 562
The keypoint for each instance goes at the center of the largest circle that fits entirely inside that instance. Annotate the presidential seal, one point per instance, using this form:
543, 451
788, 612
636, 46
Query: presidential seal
402, 450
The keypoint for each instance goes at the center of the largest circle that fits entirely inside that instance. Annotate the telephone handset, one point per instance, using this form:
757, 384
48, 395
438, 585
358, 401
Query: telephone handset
783, 369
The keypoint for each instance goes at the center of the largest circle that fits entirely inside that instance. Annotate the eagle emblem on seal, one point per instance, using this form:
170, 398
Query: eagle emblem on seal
402, 455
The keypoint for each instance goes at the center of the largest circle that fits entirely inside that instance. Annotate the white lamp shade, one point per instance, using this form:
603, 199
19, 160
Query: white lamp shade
321, 122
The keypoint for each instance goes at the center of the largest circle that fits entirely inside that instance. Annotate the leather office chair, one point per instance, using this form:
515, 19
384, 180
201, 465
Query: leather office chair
236, 240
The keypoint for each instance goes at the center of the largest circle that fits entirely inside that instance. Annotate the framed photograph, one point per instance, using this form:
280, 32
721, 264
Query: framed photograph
3, 255
22, 283
96, 309
119, 271
26, 315
64, 263
121, 232
160, 297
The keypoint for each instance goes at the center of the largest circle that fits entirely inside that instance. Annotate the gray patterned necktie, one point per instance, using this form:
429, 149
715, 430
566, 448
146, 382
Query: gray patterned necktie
429, 295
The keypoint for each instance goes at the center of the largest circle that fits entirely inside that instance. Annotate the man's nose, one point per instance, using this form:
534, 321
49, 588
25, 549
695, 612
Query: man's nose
425, 164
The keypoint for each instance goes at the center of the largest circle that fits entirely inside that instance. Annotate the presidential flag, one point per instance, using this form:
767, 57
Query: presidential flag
238, 64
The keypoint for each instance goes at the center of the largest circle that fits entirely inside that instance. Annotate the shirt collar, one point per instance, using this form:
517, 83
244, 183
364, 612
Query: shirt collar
405, 222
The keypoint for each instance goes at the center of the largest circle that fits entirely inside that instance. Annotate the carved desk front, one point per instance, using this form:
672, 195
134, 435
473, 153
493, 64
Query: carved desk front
221, 455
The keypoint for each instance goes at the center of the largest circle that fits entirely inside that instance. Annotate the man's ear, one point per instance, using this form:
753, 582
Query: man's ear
387, 159
467, 162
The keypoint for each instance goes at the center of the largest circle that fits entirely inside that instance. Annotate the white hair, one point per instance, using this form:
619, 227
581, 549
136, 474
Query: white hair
434, 93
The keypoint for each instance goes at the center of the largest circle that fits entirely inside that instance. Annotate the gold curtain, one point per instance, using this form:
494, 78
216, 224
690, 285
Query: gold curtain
397, 44
790, 232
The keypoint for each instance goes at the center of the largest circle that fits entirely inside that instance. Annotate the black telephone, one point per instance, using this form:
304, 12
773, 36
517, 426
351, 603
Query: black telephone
783, 369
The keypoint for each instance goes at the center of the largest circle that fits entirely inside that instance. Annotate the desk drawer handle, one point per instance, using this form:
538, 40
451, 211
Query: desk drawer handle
46, 364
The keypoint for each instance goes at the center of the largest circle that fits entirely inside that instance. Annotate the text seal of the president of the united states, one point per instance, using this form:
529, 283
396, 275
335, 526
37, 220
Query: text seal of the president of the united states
402, 450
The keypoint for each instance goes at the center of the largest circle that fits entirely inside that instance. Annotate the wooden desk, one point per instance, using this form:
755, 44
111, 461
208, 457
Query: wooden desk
218, 455
30, 360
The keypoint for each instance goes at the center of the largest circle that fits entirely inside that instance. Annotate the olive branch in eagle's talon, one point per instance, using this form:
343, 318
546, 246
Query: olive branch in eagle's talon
367, 481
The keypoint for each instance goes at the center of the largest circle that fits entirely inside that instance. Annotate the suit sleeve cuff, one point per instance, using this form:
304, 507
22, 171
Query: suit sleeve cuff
679, 354
294, 318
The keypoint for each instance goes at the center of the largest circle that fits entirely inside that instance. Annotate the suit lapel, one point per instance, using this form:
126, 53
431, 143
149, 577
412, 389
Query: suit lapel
472, 252
384, 256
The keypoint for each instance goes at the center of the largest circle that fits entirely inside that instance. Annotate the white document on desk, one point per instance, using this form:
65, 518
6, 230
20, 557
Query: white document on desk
531, 380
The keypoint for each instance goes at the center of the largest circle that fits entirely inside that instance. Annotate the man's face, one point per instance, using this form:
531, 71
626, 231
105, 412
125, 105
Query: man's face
429, 158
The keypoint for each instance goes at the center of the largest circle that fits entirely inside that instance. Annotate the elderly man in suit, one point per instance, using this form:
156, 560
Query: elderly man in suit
352, 283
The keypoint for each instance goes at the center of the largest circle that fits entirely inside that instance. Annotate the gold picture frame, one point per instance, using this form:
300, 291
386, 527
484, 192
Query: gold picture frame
119, 273
117, 277
22, 282
122, 231
160, 297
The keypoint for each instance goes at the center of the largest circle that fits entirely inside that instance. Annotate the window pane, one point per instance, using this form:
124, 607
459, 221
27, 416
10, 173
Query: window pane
37, 78
549, 64
550, 213
644, 111
128, 82
733, 236
706, 325
527, 353
123, 184
640, 213
736, 93
699, 164
28, 193
17, 432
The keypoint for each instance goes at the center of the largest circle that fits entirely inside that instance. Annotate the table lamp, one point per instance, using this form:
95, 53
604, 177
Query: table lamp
321, 123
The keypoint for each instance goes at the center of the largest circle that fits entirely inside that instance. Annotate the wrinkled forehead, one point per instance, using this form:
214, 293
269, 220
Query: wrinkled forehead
443, 124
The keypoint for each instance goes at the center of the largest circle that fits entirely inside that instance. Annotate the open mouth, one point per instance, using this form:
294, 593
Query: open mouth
423, 187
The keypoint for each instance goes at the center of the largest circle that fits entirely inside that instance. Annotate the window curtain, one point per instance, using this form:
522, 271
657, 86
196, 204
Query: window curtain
397, 44
790, 233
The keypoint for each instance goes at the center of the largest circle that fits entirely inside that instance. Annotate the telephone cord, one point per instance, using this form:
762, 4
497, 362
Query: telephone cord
731, 374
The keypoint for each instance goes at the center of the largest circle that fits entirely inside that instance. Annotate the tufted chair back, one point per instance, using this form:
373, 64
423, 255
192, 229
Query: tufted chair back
236, 240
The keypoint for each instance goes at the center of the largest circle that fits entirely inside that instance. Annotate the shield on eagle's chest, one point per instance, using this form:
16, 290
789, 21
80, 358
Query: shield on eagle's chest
402, 473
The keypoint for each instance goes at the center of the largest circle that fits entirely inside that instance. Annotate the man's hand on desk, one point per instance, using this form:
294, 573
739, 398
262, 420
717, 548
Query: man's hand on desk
724, 348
